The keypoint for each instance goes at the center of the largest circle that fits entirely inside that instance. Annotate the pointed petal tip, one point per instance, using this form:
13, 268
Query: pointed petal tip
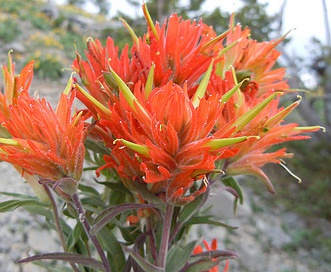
141, 149
311, 128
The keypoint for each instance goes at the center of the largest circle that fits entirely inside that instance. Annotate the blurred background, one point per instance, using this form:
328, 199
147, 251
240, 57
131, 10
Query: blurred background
289, 231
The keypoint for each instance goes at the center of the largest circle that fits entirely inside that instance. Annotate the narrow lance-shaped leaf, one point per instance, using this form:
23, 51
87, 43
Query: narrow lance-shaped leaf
215, 254
144, 264
178, 255
206, 219
11, 205
209, 259
113, 248
108, 214
231, 182
192, 207
69, 257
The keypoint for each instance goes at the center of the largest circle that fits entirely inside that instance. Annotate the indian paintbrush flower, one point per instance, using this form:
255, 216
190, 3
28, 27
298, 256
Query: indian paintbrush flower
164, 140
161, 125
44, 142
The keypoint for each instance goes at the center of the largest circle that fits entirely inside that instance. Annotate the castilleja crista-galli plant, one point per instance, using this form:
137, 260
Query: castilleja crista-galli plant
163, 120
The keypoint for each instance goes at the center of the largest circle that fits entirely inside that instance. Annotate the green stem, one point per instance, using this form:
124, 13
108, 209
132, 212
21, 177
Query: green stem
165, 236
87, 227
57, 222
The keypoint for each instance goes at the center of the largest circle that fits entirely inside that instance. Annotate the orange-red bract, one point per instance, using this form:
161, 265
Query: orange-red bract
46, 143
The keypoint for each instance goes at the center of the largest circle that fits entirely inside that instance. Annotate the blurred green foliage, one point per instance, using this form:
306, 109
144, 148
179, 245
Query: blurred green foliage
9, 30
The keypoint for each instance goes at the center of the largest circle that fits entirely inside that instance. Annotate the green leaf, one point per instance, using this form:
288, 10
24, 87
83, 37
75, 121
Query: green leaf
178, 255
191, 208
202, 266
231, 182
208, 259
141, 189
88, 189
206, 219
77, 233
144, 264
42, 211
93, 204
115, 252
108, 214
130, 234
69, 257
49, 268
21, 196
116, 197
116, 186
97, 147
11, 205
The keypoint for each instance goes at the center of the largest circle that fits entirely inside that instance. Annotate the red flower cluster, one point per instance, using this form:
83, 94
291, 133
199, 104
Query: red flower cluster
43, 142
182, 101
171, 106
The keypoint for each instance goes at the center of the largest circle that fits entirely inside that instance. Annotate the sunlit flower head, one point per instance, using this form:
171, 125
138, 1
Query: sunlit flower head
254, 61
14, 83
46, 143
181, 50
268, 125
164, 140
178, 50
95, 71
